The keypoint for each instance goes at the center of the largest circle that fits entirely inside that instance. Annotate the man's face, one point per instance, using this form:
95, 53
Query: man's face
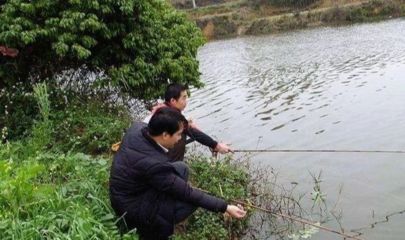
180, 103
171, 140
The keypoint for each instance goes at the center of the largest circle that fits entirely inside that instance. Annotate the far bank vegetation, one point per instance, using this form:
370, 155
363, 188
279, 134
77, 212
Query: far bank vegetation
230, 18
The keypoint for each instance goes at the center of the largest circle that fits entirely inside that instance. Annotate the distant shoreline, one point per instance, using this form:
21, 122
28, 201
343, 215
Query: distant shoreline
240, 22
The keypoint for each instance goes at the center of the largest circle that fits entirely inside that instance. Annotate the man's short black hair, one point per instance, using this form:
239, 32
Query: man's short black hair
174, 90
166, 119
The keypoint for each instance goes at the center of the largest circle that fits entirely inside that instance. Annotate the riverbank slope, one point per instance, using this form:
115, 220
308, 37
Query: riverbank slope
243, 17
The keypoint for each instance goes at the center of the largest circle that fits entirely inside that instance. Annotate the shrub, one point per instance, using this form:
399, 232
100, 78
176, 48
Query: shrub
89, 128
18, 108
55, 196
136, 46
82, 48
222, 179
64, 196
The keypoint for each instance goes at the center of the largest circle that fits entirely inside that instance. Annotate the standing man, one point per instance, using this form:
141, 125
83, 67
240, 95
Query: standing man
149, 191
176, 97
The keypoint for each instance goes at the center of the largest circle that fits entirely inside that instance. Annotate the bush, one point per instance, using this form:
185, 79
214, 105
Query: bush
65, 196
136, 46
104, 47
89, 128
225, 180
54, 196
18, 108
50, 195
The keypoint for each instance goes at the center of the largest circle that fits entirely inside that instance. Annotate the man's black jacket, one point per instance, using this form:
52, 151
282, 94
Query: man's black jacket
144, 185
178, 151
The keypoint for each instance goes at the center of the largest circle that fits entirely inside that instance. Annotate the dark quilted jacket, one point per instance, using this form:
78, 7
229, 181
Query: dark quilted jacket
144, 185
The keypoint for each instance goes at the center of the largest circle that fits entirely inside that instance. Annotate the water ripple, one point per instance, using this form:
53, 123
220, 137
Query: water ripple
307, 81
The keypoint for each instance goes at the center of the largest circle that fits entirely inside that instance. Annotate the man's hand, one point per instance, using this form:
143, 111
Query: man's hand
223, 148
192, 124
236, 211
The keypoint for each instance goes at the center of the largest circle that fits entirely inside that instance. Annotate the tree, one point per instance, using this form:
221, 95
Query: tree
135, 45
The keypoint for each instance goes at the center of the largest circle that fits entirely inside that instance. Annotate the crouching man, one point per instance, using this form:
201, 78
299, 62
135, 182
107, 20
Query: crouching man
149, 191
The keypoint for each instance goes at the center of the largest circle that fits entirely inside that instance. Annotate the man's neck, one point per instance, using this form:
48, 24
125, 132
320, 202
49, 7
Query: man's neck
158, 140
170, 105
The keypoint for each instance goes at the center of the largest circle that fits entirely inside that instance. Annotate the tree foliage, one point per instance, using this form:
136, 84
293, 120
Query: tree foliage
135, 45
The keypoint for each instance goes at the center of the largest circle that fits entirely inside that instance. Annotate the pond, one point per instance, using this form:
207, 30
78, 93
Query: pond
337, 88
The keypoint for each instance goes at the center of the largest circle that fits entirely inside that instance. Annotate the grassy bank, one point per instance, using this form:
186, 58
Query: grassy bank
50, 195
244, 18
54, 182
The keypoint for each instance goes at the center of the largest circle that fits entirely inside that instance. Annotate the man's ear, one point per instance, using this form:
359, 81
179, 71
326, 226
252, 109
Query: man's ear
173, 101
165, 135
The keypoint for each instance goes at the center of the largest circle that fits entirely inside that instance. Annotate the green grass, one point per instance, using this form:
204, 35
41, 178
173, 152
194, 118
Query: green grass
225, 179
47, 193
65, 196
54, 183
54, 196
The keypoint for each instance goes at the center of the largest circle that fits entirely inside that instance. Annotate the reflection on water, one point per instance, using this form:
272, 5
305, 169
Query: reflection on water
330, 88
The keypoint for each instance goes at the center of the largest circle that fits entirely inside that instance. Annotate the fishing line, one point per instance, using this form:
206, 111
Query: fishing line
313, 151
297, 219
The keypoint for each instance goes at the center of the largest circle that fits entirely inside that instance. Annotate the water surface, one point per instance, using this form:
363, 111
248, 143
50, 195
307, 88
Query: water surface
326, 88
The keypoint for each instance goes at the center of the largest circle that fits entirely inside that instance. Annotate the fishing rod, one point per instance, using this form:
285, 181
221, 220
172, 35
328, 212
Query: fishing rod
312, 151
292, 218
296, 219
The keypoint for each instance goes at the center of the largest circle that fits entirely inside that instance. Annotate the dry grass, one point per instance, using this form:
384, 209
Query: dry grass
234, 7
241, 17
331, 3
